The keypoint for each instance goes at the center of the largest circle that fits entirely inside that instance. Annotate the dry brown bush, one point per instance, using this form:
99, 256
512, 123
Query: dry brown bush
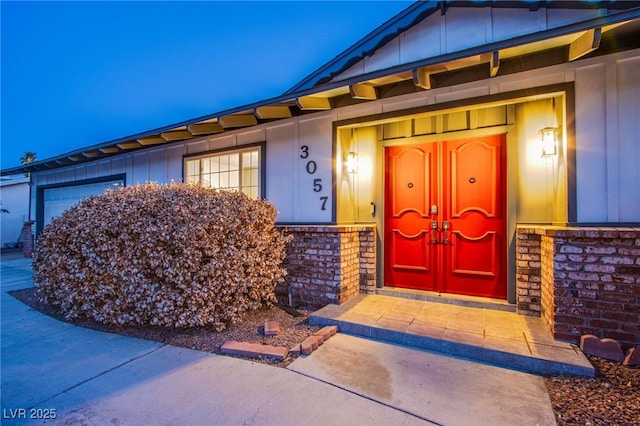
175, 255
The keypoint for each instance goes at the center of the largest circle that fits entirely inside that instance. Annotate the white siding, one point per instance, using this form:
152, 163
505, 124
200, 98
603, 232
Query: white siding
118, 166
422, 40
174, 162
464, 28
220, 142
514, 22
280, 162
309, 203
196, 147
158, 165
607, 133
251, 136
628, 136
591, 141
140, 168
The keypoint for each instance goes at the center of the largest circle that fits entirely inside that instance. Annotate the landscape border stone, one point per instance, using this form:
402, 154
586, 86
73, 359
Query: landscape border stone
633, 357
257, 350
254, 350
603, 348
272, 328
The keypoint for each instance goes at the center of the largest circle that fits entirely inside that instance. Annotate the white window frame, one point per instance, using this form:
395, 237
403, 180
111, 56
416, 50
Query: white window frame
259, 148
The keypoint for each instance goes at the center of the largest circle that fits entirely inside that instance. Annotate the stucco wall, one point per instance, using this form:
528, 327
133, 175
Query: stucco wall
14, 197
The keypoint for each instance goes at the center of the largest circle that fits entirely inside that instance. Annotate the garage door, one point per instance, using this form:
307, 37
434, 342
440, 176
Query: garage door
57, 200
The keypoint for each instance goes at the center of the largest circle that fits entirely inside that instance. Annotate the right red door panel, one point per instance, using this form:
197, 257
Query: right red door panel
473, 196
464, 195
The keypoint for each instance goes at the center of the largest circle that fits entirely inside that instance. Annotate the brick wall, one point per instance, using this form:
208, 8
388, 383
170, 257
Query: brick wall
328, 265
589, 281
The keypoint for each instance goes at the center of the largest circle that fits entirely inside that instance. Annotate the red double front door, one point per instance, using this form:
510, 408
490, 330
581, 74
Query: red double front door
445, 224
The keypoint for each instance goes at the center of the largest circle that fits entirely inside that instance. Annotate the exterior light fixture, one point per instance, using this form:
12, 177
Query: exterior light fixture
549, 141
351, 162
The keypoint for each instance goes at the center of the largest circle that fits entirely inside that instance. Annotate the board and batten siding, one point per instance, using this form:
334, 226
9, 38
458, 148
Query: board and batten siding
298, 165
463, 28
607, 130
608, 136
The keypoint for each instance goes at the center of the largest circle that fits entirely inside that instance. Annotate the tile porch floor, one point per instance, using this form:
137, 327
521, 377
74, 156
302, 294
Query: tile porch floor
491, 336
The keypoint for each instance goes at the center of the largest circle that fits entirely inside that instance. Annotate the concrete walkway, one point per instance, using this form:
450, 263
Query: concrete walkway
491, 336
93, 378
445, 390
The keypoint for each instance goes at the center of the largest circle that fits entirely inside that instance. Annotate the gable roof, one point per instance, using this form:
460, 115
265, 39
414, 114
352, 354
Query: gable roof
420, 10
331, 86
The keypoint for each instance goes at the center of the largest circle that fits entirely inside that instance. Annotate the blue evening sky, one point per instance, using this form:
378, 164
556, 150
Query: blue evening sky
74, 74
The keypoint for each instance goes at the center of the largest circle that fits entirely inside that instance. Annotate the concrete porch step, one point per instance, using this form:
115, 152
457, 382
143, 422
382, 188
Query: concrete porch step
490, 336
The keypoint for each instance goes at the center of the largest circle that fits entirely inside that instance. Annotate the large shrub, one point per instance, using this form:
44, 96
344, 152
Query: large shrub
176, 255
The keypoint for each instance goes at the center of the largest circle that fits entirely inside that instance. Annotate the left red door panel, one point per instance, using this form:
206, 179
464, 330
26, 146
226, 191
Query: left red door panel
410, 183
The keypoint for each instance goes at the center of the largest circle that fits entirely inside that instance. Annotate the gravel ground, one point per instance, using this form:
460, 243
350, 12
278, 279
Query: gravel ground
294, 329
611, 398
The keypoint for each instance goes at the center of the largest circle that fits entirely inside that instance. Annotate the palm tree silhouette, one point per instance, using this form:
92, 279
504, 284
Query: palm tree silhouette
28, 158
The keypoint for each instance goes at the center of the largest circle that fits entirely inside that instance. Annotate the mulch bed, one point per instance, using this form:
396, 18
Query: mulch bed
611, 398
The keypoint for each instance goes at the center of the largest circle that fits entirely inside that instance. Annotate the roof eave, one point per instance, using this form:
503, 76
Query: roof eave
61, 160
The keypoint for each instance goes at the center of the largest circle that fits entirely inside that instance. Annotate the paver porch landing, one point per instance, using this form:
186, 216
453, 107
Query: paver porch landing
491, 336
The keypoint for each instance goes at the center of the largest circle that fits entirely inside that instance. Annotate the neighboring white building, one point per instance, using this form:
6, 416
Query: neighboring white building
443, 133
14, 201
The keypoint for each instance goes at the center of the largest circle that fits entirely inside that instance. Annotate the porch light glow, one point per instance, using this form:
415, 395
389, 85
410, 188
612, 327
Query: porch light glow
549, 141
351, 163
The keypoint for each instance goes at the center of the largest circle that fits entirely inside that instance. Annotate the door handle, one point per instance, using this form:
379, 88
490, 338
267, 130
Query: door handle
434, 232
445, 229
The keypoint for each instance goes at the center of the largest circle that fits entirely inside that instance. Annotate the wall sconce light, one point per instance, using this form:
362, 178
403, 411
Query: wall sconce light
549, 141
351, 162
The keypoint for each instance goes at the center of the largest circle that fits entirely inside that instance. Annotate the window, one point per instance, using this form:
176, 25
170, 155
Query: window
235, 171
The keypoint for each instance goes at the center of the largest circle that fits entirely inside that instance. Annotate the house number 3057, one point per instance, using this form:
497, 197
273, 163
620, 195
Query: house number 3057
312, 167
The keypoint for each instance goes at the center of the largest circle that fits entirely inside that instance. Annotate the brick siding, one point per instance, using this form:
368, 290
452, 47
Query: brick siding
581, 281
328, 265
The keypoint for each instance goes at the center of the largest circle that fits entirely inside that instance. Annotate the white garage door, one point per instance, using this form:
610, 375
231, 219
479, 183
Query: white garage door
57, 200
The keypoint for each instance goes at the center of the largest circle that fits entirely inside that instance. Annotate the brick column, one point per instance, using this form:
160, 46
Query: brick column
368, 260
590, 281
548, 282
528, 277
328, 265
